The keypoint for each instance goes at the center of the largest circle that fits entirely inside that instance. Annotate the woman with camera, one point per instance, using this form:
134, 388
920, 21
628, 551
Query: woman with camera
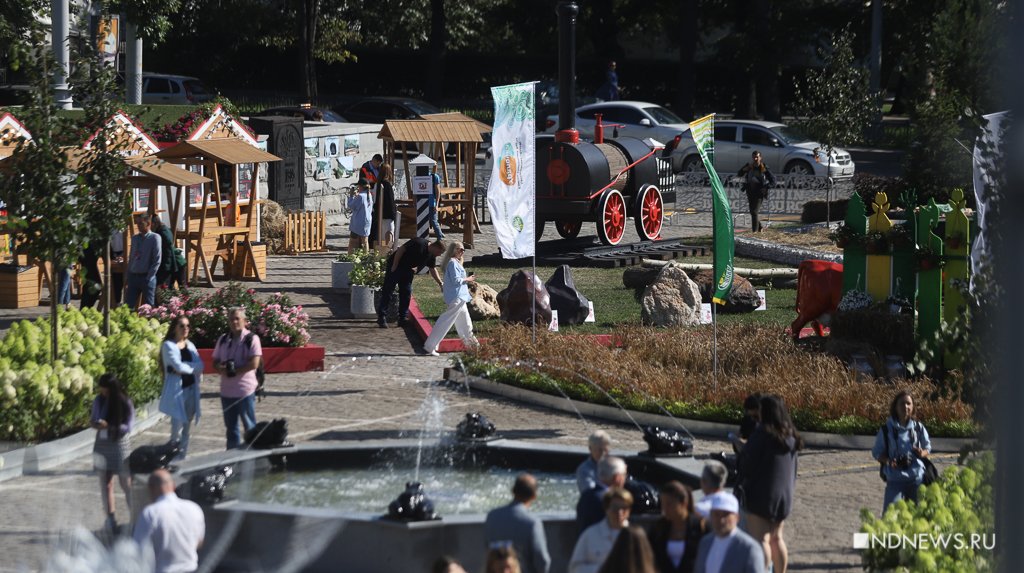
900, 446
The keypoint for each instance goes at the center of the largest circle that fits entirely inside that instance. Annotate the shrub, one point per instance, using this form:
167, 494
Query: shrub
673, 368
368, 269
276, 320
815, 211
40, 401
959, 503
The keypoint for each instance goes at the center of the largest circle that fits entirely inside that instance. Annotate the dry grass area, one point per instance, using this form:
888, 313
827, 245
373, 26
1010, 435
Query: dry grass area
816, 238
675, 366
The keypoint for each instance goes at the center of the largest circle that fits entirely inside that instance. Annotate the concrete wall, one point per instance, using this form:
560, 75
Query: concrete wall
330, 172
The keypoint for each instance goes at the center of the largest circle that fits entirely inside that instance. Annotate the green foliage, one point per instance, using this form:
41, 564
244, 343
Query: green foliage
40, 401
845, 236
368, 269
835, 104
961, 502
154, 18
936, 163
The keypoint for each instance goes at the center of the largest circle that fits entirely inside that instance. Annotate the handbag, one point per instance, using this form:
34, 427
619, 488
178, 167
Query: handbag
881, 466
931, 473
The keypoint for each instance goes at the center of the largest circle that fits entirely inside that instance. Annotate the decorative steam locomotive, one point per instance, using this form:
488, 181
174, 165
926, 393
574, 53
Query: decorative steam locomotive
606, 181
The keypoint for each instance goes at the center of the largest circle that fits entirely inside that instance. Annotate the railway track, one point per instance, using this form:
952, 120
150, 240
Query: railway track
588, 252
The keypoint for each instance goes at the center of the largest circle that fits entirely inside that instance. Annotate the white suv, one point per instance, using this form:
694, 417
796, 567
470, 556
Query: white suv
173, 90
638, 119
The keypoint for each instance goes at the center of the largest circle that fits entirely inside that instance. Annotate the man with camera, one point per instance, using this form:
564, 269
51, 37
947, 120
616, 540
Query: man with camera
236, 357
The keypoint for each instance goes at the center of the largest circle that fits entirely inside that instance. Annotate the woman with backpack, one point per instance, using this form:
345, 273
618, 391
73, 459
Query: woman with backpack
902, 447
112, 416
182, 371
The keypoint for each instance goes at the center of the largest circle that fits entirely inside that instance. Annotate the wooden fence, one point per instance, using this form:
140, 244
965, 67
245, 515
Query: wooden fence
305, 232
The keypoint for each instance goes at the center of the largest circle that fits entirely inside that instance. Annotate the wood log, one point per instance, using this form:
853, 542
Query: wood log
776, 273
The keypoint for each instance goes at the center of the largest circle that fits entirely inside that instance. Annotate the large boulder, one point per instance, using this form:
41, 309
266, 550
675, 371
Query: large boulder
639, 277
484, 305
742, 297
517, 299
572, 306
671, 300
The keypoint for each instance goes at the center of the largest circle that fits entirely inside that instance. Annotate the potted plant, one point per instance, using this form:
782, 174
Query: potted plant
875, 243
955, 241
340, 270
928, 259
900, 236
845, 236
365, 278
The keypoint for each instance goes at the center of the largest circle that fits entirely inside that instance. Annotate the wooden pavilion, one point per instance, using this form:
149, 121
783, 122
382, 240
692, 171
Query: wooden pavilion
433, 137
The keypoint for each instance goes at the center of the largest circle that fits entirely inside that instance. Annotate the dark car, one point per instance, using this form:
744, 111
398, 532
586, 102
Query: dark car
306, 113
379, 109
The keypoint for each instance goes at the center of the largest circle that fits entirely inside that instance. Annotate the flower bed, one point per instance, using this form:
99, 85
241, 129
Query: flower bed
276, 320
674, 368
41, 401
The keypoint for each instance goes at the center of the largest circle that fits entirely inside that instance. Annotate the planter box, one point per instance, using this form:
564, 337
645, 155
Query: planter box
277, 360
19, 286
339, 274
362, 302
242, 268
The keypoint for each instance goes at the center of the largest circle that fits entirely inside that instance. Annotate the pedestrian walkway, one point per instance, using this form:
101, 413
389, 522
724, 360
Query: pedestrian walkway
373, 387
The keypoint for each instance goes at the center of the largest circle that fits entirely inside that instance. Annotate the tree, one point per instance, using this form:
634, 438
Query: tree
834, 104
58, 207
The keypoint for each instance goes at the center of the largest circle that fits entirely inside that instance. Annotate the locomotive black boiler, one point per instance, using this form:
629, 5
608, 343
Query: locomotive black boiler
606, 181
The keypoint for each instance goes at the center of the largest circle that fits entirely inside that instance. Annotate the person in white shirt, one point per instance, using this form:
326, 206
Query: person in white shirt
173, 527
597, 540
712, 481
728, 549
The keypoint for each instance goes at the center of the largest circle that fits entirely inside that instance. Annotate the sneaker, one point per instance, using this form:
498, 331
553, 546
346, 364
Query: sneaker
382, 323
433, 353
110, 525
403, 320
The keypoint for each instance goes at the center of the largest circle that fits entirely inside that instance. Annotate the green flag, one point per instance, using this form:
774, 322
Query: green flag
703, 132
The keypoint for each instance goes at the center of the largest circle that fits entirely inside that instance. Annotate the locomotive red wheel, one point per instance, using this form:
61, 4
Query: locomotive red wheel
648, 213
568, 229
611, 224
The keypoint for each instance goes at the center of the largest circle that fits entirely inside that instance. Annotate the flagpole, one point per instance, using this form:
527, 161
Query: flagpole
714, 344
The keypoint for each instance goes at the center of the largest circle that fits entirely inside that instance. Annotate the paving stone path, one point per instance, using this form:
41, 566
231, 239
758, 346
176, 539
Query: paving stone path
373, 387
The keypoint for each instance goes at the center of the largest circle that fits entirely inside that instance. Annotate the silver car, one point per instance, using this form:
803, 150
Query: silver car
785, 150
638, 119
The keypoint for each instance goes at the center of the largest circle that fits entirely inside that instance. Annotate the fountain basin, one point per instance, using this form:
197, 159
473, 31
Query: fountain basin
250, 534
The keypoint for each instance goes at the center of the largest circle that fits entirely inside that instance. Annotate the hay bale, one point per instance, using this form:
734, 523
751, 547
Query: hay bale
272, 224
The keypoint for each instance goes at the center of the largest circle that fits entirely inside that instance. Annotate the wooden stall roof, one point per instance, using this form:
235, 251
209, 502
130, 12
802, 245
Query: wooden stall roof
125, 135
165, 173
227, 150
456, 116
10, 131
416, 130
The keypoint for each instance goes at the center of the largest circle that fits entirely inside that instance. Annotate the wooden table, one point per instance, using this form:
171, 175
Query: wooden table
229, 240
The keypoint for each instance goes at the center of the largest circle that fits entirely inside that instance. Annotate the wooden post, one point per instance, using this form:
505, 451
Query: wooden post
467, 197
854, 263
957, 250
929, 281
879, 266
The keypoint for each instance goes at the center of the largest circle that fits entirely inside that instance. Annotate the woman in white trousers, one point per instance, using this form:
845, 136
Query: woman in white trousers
456, 296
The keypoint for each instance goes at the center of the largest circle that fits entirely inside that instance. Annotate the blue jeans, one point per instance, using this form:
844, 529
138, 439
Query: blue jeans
140, 285
235, 408
897, 490
434, 224
64, 286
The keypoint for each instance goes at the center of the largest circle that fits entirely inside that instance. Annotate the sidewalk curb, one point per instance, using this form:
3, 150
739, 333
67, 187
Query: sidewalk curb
41, 457
717, 430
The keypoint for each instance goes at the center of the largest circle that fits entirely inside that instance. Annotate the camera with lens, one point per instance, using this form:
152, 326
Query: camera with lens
904, 461
229, 368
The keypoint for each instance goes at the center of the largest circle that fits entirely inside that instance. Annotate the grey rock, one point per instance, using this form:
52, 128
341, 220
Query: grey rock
484, 305
671, 300
742, 298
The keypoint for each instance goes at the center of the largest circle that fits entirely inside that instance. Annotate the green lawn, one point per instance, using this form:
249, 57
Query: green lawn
614, 304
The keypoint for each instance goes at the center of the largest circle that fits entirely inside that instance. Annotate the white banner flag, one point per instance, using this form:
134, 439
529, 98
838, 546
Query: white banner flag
511, 194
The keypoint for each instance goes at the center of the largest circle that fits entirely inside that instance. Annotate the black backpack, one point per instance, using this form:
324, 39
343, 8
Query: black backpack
261, 374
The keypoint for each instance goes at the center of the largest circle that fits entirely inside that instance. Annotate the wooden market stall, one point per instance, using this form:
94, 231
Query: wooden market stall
11, 132
455, 207
221, 218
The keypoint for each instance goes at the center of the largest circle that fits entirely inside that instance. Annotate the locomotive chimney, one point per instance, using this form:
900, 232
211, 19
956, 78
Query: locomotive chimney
567, 11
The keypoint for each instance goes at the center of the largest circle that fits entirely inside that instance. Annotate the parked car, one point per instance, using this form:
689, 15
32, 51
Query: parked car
638, 119
784, 149
173, 90
378, 109
547, 95
307, 113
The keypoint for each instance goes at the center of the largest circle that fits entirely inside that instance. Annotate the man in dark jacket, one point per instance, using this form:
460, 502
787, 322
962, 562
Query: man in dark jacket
412, 257
757, 180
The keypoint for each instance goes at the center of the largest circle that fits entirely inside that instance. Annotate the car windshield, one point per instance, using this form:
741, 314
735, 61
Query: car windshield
791, 135
662, 115
422, 107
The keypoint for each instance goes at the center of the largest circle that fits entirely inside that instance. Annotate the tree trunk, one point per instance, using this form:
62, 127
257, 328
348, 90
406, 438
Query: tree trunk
687, 53
54, 326
438, 50
307, 36
768, 67
105, 294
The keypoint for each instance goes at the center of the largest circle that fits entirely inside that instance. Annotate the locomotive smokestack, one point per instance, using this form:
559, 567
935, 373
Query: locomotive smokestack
567, 12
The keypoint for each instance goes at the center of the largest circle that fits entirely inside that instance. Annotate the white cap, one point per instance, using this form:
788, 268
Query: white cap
725, 501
